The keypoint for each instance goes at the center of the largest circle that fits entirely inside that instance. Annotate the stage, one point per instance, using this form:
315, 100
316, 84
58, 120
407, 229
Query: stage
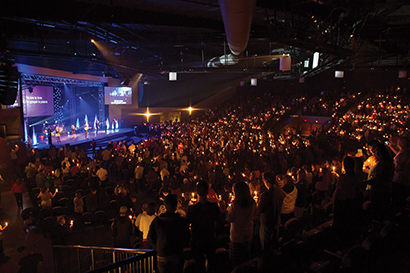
102, 139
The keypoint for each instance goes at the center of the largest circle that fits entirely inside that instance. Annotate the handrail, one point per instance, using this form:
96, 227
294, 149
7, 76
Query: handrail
124, 262
137, 250
78, 258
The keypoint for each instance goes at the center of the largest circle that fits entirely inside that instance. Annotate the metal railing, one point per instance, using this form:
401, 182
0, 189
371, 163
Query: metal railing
78, 259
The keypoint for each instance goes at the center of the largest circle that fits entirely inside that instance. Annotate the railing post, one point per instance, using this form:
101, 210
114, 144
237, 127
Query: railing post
78, 260
92, 260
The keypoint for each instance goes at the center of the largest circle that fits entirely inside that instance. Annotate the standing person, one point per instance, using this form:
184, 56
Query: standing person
169, 235
58, 134
289, 200
380, 178
97, 127
401, 183
204, 217
13, 155
50, 139
73, 131
144, 221
122, 229
78, 203
347, 200
18, 190
45, 195
240, 215
102, 174
93, 146
86, 130
270, 205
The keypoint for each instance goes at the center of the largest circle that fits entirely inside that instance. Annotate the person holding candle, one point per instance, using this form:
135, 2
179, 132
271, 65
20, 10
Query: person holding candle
240, 216
290, 195
45, 195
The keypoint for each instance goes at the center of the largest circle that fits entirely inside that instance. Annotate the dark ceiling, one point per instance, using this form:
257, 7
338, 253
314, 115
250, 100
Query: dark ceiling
156, 36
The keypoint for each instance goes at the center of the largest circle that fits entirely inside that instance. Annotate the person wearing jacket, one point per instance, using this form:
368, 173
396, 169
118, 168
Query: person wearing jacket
169, 235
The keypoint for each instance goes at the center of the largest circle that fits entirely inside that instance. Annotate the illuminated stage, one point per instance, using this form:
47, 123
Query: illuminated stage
102, 139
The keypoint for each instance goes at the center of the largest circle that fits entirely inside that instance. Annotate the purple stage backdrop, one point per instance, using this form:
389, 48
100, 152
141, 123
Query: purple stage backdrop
39, 102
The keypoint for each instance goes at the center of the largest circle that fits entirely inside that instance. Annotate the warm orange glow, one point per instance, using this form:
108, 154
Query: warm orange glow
92, 41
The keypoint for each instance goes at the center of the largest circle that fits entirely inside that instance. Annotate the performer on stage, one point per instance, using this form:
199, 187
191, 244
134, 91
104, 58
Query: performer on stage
50, 140
86, 130
114, 124
58, 134
97, 126
73, 131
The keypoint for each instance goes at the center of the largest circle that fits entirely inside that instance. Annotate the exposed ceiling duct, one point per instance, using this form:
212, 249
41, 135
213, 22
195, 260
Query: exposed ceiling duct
237, 17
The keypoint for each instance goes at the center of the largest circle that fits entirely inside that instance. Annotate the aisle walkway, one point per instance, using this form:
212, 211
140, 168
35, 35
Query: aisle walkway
15, 235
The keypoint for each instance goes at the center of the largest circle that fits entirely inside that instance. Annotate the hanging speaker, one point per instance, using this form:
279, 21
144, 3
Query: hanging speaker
8, 83
402, 74
172, 76
285, 63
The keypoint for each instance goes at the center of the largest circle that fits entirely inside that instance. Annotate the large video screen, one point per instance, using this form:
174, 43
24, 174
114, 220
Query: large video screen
38, 101
118, 95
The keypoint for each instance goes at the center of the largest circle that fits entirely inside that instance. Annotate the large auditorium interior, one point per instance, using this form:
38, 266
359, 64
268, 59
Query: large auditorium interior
218, 136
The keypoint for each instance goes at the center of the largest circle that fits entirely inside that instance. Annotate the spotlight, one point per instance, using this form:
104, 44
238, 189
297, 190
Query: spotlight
92, 41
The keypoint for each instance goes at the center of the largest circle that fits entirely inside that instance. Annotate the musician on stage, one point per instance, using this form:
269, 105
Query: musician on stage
58, 134
73, 131
97, 127
86, 130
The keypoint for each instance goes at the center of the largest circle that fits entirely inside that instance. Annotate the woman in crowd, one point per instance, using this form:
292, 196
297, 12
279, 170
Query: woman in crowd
46, 197
241, 215
18, 189
289, 200
78, 203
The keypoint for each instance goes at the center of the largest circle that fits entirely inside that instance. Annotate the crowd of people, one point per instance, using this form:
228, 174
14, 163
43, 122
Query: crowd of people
234, 181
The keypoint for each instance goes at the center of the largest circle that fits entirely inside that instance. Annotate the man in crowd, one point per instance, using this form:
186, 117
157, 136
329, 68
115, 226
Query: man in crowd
204, 218
169, 235
122, 229
269, 208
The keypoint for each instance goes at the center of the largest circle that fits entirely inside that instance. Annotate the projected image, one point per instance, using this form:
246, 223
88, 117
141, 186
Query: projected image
118, 95
38, 101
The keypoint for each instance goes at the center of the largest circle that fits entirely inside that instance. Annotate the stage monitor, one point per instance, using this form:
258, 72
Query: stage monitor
38, 101
117, 95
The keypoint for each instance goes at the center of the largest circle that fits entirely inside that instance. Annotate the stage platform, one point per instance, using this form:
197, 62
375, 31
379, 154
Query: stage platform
102, 139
